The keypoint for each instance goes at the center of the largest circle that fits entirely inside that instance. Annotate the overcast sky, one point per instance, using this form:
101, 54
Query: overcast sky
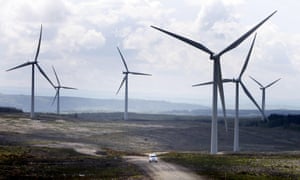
80, 39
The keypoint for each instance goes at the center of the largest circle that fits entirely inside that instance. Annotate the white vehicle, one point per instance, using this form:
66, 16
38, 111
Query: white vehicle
152, 158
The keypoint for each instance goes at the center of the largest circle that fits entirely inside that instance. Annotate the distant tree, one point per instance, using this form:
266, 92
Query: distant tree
276, 120
10, 110
295, 119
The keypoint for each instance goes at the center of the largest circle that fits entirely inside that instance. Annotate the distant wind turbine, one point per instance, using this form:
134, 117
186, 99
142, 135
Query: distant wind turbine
263, 88
58, 87
238, 81
217, 75
125, 79
33, 64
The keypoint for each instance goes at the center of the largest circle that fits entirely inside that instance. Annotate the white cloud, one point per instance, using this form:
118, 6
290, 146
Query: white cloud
92, 39
83, 35
73, 38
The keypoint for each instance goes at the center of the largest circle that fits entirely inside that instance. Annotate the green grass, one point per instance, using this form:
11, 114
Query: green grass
20, 162
239, 166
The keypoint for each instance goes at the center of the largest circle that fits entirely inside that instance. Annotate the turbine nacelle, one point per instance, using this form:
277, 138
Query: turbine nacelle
233, 80
236, 80
214, 56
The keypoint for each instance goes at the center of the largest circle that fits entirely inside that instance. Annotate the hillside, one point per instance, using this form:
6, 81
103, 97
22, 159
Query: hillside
77, 104
88, 105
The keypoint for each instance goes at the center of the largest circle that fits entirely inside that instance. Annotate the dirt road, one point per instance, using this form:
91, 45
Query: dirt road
162, 170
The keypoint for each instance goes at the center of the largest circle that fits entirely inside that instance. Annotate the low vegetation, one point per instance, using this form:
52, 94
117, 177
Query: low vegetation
19, 162
239, 166
10, 110
287, 121
21, 158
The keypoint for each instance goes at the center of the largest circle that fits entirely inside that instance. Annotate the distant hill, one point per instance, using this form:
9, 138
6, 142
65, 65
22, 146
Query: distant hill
77, 104
90, 105
10, 110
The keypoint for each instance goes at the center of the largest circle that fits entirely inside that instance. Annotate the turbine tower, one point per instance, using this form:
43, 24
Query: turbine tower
58, 87
217, 75
33, 64
238, 81
125, 79
263, 88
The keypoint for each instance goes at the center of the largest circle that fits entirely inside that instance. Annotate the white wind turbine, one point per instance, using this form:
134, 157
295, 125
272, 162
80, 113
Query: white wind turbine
125, 79
263, 88
217, 75
238, 81
33, 64
58, 87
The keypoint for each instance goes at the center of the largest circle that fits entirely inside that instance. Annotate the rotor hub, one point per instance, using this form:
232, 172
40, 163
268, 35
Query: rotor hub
214, 56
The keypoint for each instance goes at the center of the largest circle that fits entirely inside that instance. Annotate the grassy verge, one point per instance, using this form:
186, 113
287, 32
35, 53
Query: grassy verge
239, 166
20, 162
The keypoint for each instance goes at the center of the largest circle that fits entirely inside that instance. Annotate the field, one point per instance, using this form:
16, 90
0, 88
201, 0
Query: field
93, 144
240, 166
19, 162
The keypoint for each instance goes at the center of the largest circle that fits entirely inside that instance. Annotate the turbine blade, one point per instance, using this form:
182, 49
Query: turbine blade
19, 66
186, 40
44, 74
58, 82
257, 82
248, 57
244, 36
137, 73
65, 87
209, 83
124, 79
56, 95
252, 99
202, 84
272, 83
123, 59
221, 91
39, 45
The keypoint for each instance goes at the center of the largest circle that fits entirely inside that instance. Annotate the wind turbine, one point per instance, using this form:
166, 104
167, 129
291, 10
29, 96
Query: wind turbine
33, 64
217, 75
238, 81
58, 87
263, 88
125, 79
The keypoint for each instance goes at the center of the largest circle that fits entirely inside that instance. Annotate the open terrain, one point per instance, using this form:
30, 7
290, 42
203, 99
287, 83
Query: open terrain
99, 136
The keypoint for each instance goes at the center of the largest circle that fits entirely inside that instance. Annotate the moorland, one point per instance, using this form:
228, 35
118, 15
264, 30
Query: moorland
93, 144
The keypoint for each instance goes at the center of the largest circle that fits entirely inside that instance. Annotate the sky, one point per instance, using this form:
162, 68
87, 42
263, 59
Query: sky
80, 39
